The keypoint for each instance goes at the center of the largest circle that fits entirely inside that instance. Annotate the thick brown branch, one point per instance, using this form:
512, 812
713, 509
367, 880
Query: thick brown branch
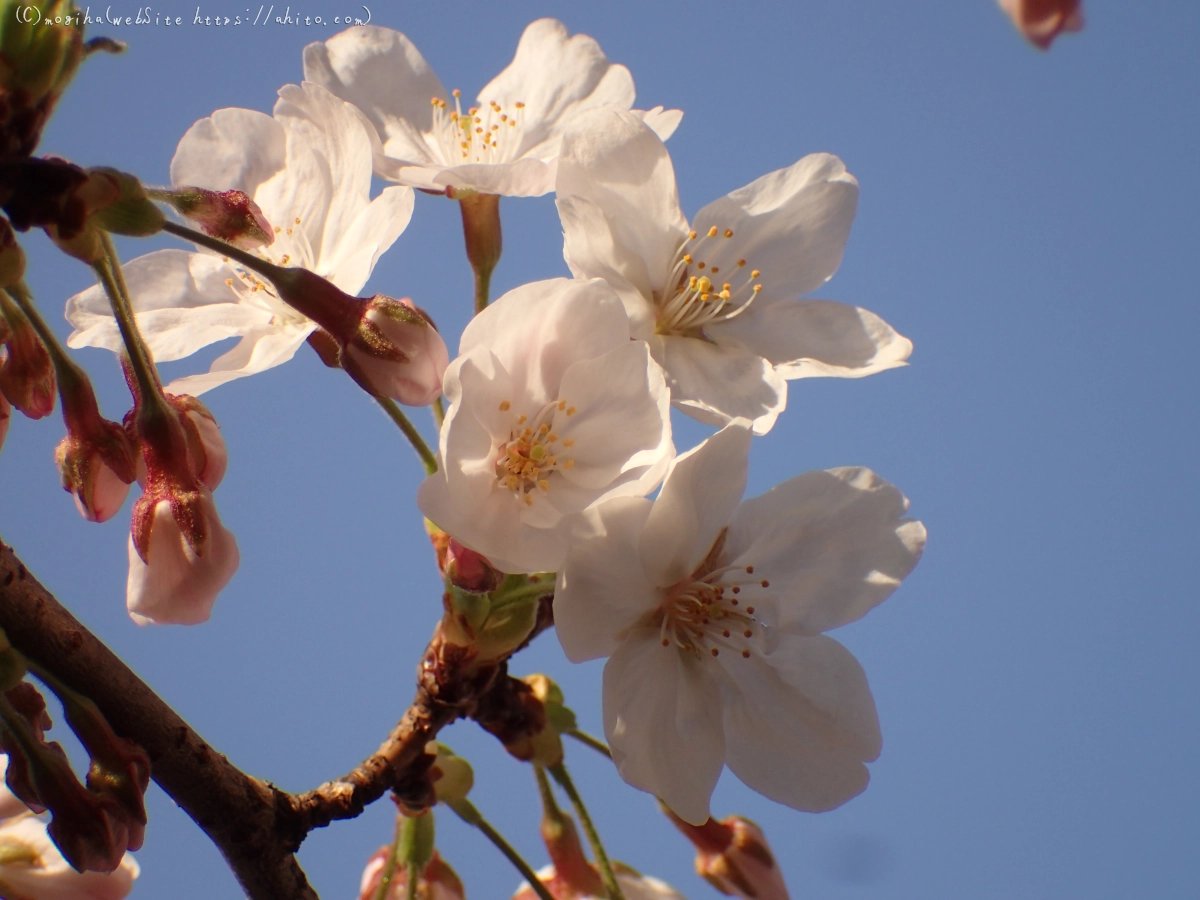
256, 826
237, 812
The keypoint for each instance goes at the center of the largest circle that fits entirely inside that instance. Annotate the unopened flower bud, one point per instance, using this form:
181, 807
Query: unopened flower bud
388, 346
231, 216
26, 372
207, 453
734, 857
468, 570
1041, 21
97, 467
396, 352
180, 558
437, 882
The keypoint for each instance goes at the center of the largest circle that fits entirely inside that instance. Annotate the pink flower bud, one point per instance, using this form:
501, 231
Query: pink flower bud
437, 882
397, 353
469, 570
99, 491
31, 866
229, 215
26, 372
188, 557
96, 460
734, 857
1041, 21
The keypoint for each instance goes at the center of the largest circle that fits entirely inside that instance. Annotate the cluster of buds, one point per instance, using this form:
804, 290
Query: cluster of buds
92, 826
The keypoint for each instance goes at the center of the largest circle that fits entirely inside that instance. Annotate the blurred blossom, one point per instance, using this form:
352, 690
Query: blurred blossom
508, 144
634, 886
710, 612
552, 408
309, 170
717, 300
1041, 21
734, 857
437, 882
31, 868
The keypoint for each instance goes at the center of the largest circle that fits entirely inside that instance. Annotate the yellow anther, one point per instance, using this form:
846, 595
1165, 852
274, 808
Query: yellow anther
569, 442
728, 232
727, 285
562, 404
457, 93
715, 270
289, 231
687, 258
570, 410
297, 220
712, 232
278, 229
757, 288
700, 265
704, 297
512, 123
692, 282
529, 499
479, 131
543, 428
568, 464
521, 420
704, 283
513, 482
745, 654
229, 281
504, 118
464, 145
551, 438
520, 105
505, 406
544, 484
724, 295
692, 235
741, 262
284, 261
754, 274
550, 460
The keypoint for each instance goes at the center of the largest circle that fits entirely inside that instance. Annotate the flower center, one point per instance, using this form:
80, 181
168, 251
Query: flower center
290, 248
487, 134
529, 456
712, 609
698, 292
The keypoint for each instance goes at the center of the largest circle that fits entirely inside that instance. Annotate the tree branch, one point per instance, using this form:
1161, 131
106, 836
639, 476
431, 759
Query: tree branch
256, 826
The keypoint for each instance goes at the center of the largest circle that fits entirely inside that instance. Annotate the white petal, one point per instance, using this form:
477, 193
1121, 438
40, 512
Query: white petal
556, 77
521, 178
662, 122
809, 338
53, 878
622, 417
662, 718
697, 501
716, 383
351, 257
233, 149
611, 161
800, 723
182, 304
327, 183
833, 544
565, 320
382, 73
791, 224
602, 589
259, 349
176, 586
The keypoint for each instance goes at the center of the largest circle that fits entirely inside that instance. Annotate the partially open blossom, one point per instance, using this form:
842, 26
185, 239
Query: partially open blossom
717, 300
508, 143
734, 857
232, 216
26, 371
31, 868
634, 886
552, 408
437, 882
710, 612
1041, 21
309, 171
97, 470
179, 578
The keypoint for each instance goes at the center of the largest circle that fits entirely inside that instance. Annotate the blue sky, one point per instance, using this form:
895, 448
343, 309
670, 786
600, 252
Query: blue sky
1029, 220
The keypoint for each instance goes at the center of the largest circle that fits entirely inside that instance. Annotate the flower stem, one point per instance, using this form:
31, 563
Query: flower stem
414, 876
249, 260
588, 741
389, 865
66, 371
428, 460
112, 279
482, 234
559, 773
467, 811
439, 412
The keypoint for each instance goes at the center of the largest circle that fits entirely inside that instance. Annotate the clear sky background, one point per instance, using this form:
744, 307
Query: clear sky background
1029, 220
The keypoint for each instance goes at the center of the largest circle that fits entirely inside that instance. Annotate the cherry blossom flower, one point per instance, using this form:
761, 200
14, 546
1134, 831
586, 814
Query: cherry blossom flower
309, 170
31, 866
710, 612
552, 408
507, 144
1041, 21
716, 299
634, 886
